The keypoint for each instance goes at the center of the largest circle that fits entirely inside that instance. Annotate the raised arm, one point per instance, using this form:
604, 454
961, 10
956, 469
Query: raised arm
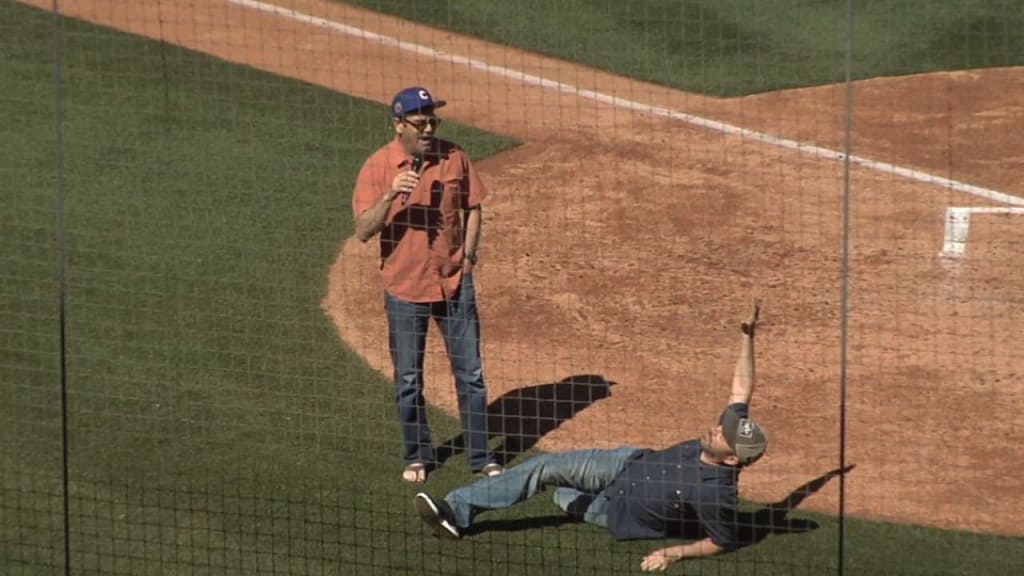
371, 221
743, 374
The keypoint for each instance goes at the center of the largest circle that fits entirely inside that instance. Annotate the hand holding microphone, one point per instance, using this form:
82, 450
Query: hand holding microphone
407, 181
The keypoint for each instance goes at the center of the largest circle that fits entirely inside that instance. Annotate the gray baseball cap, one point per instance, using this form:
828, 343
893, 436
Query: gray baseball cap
746, 437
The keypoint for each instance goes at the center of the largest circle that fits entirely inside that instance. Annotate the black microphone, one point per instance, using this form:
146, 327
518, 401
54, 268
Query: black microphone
417, 163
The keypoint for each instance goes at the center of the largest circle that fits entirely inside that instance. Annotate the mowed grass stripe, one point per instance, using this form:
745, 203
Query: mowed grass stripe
738, 47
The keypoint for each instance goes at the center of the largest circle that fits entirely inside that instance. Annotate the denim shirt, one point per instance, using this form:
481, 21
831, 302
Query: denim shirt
659, 492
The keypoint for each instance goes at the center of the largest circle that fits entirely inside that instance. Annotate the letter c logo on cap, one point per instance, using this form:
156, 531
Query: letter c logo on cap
424, 95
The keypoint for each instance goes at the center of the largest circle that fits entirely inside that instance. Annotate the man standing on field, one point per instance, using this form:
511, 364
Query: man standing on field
423, 197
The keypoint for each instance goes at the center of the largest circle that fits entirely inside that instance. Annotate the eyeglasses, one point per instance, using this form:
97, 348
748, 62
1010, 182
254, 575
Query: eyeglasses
421, 125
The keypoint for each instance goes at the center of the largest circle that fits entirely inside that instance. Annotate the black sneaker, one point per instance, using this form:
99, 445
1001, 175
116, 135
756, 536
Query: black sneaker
438, 516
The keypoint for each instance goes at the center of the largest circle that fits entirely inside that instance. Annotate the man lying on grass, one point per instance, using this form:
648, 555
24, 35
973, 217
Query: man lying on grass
635, 493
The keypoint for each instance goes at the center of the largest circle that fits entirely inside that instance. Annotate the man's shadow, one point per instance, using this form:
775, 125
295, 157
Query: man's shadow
755, 525
774, 518
523, 416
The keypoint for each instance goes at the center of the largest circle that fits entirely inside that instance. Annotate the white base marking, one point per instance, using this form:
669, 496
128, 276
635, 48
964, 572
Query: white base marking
958, 223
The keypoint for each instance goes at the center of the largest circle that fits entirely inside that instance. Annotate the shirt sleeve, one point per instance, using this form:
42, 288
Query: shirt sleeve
369, 189
472, 184
717, 513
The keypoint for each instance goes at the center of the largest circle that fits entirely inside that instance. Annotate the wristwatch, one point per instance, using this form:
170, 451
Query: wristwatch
471, 256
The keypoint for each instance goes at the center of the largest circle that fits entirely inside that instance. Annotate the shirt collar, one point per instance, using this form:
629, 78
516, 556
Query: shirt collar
712, 471
398, 156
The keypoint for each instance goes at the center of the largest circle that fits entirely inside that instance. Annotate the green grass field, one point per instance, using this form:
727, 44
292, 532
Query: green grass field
217, 426
737, 47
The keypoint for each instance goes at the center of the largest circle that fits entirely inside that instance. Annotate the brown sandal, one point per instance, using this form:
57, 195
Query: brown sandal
415, 473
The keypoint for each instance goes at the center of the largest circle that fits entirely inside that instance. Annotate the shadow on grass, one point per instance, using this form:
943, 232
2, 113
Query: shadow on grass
523, 416
520, 524
774, 518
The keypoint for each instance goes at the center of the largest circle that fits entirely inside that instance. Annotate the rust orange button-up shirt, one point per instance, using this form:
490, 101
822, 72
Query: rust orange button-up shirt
421, 245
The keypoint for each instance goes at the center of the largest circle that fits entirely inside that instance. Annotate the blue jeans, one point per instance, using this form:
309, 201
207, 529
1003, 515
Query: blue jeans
579, 476
459, 325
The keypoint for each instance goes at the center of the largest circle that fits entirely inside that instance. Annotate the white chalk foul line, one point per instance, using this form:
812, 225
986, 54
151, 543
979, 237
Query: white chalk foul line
632, 105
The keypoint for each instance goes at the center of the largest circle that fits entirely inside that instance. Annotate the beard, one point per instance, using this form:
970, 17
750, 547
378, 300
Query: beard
426, 144
707, 448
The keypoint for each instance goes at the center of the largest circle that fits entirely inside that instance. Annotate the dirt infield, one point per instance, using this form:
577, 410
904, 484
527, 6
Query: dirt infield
626, 245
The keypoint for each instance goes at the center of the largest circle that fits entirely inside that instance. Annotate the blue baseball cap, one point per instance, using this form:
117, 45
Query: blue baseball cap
412, 100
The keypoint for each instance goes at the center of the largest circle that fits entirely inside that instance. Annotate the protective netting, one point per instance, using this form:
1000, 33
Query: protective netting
196, 366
